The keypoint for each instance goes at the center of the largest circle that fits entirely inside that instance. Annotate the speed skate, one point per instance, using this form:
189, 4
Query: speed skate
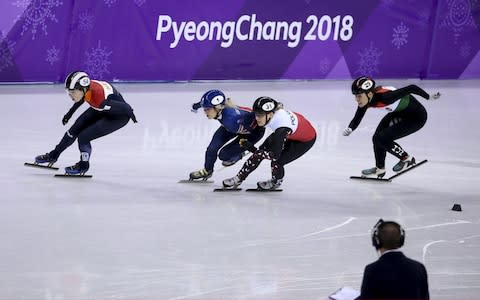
196, 181
66, 175
390, 178
35, 165
224, 189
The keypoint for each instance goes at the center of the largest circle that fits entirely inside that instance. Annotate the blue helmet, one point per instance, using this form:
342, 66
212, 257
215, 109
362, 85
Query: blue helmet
212, 98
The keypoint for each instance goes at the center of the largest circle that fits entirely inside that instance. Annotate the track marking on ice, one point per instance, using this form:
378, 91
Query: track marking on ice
459, 240
425, 248
441, 224
328, 228
254, 244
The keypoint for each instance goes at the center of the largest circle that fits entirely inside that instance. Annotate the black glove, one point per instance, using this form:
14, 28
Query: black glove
196, 106
247, 145
66, 118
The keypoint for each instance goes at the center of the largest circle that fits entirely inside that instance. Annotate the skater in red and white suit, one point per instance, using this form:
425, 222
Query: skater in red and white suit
292, 136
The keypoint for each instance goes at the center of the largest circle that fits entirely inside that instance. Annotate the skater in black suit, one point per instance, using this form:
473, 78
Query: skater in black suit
405, 116
393, 275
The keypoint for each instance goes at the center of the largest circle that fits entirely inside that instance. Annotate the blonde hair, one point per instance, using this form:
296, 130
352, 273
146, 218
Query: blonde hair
229, 103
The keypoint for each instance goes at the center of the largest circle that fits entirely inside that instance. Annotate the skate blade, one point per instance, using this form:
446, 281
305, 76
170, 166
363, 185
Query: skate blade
195, 181
40, 166
73, 176
263, 191
371, 178
408, 169
227, 189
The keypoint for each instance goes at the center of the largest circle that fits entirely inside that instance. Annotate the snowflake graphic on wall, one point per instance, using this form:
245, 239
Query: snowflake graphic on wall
324, 66
459, 16
139, 2
85, 21
6, 49
37, 13
400, 35
52, 55
97, 61
369, 61
465, 50
109, 3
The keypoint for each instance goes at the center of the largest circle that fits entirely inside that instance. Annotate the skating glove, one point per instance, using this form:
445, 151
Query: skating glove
195, 107
347, 131
66, 118
246, 144
435, 96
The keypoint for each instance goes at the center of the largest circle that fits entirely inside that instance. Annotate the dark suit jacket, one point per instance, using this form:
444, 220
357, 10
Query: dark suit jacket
394, 276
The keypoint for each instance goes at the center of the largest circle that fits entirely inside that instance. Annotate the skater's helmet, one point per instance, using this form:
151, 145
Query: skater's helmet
212, 98
264, 105
362, 85
77, 80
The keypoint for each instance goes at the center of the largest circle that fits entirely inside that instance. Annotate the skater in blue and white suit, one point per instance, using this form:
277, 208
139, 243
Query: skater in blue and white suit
236, 123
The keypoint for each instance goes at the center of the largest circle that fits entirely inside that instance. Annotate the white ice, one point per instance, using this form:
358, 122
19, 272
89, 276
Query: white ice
133, 232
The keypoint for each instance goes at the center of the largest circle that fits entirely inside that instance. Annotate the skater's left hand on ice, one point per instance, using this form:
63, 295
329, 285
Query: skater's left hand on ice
347, 131
435, 96
244, 143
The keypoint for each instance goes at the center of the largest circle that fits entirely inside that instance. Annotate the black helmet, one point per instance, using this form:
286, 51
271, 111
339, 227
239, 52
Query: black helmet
264, 105
363, 85
77, 81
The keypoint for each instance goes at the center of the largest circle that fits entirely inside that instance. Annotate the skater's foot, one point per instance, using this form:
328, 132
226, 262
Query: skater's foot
404, 163
202, 174
47, 158
271, 184
231, 183
374, 172
78, 169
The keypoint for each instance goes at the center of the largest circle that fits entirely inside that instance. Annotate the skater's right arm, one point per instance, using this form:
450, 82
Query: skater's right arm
357, 118
72, 110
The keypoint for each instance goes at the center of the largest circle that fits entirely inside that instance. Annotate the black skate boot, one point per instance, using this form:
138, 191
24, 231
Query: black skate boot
404, 164
373, 172
202, 174
271, 184
47, 158
232, 183
78, 169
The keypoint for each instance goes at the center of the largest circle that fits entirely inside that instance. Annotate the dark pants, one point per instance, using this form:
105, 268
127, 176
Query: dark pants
291, 151
227, 151
90, 125
394, 126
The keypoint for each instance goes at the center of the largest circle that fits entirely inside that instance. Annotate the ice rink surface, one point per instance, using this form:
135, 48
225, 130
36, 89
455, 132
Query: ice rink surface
132, 232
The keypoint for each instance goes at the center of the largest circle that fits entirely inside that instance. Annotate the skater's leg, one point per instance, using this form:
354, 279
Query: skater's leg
220, 137
400, 127
101, 128
378, 149
84, 120
87, 118
231, 152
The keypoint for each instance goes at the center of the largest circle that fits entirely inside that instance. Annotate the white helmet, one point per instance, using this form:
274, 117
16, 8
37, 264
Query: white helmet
77, 81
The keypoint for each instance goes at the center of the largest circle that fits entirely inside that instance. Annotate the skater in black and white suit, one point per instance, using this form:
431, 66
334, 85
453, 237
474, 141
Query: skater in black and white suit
406, 115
